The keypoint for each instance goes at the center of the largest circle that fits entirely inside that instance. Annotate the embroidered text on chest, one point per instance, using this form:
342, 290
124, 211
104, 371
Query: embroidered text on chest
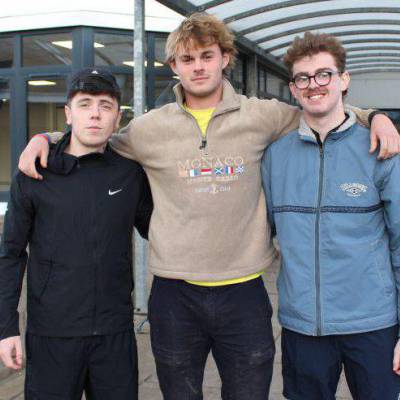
206, 166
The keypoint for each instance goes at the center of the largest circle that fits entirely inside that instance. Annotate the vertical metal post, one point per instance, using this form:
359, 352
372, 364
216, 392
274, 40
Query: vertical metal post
139, 58
139, 101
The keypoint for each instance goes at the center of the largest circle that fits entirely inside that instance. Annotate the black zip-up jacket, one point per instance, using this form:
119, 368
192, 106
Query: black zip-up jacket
78, 222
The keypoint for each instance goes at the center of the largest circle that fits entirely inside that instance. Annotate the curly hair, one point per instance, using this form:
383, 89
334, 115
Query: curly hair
312, 44
201, 30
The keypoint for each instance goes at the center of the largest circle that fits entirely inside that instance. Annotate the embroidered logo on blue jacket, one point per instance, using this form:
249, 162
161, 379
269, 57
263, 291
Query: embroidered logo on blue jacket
353, 189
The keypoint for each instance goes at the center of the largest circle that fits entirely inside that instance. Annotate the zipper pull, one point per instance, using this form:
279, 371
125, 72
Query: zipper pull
203, 144
319, 141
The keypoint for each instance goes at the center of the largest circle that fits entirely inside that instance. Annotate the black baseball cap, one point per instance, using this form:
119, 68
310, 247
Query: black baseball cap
94, 81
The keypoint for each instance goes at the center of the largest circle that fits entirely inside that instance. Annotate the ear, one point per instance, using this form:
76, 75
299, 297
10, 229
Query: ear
172, 64
344, 81
225, 59
68, 114
293, 90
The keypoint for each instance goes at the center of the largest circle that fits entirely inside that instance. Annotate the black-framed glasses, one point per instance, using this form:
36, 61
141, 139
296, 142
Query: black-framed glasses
321, 78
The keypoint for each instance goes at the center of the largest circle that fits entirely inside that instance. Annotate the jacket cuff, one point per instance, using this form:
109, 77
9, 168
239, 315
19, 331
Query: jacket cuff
45, 136
12, 328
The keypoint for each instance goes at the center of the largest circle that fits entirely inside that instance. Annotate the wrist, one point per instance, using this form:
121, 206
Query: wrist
375, 113
44, 136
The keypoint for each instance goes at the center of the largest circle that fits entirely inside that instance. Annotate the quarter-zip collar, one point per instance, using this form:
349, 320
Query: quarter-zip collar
62, 163
332, 131
230, 99
308, 134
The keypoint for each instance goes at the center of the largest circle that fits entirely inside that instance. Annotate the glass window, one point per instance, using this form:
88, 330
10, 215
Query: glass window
46, 100
159, 56
237, 76
5, 136
6, 52
273, 85
52, 49
125, 82
237, 72
261, 80
113, 49
285, 92
163, 88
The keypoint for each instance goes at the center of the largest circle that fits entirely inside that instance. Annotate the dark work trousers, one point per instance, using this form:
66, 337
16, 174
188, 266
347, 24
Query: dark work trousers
233, 322
312, 365
103, 367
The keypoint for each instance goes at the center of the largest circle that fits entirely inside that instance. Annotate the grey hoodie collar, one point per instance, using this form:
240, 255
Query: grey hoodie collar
305, 130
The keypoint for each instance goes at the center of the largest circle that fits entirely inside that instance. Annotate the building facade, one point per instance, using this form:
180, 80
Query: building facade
41, 47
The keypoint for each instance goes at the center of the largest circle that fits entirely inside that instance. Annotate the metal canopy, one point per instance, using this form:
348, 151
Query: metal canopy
369, 30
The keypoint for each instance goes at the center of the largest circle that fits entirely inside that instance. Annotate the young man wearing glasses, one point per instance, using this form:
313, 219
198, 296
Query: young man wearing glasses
335, 211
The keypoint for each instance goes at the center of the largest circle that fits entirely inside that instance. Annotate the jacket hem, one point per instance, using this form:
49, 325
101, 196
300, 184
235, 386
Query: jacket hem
167, 272
344, 328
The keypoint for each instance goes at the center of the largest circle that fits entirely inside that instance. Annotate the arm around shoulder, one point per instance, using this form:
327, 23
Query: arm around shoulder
279, 118
383, 131
38, 147
122, 142
361, 114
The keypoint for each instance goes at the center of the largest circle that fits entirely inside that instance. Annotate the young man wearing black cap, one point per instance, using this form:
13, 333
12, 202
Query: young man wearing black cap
78, 223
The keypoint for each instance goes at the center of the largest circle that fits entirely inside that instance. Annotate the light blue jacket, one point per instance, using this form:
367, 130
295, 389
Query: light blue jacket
335, 209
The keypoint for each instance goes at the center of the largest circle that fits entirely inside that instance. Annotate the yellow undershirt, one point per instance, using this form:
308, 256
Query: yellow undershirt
203, 118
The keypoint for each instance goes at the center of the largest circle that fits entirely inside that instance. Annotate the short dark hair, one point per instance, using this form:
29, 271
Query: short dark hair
94, 81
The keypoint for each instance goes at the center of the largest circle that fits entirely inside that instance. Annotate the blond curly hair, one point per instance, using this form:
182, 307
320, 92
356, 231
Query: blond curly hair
200, 30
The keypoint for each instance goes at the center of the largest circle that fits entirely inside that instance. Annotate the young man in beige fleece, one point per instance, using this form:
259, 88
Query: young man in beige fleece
209, 238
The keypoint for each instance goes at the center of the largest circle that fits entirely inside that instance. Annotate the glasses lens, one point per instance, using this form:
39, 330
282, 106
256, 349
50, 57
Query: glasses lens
301, 81
323, 78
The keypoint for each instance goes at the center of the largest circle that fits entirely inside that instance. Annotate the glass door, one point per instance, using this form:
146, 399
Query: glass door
5, 136
46, 97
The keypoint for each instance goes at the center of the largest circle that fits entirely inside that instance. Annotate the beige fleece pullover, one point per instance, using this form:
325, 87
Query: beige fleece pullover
209, 221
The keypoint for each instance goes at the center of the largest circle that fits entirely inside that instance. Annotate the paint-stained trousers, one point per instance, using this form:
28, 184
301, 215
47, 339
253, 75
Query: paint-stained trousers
232, 321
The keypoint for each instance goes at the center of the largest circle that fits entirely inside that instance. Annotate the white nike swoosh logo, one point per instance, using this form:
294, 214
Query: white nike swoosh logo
114, 192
